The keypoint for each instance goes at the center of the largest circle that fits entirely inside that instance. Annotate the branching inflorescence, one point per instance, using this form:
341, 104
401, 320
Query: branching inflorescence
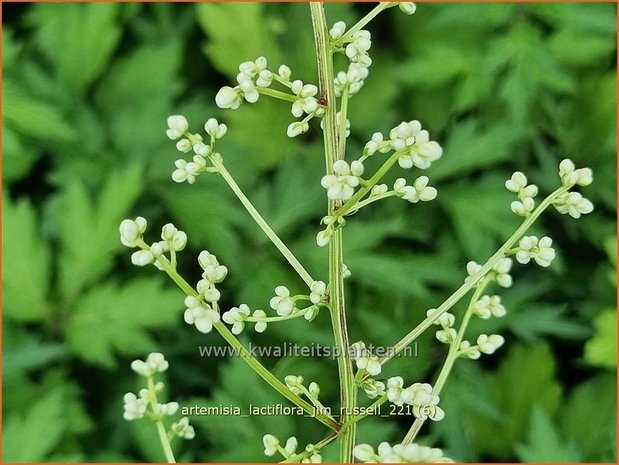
348, 189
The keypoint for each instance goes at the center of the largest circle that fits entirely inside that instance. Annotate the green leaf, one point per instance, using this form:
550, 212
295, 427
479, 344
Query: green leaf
526, 378
537, 320
601, 349
31, 436
544, 444
17, 157
30, 354
89, 230
576, 49
112, 318
26, 263
78, 39
592, 404
225, 47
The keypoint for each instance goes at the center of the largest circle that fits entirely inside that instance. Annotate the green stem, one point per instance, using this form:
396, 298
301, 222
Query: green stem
474, 279
380, 401
277, 242
163, 437
451, 358
370, 200
317, 447
278, 94
364, 21
245, 354
341, 139
348, 392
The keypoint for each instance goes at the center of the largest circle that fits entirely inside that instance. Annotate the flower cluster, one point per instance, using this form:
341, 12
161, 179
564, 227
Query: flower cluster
238, 316
255, 79
132, 235
499, 272
540, 250
518, 184
356, 47
332, 223
399, 453
487, 306
345, 178
272, 446
373, 388
137, 407
418, 191
485, 345
178, 127
419, 395
448, 334
364, 359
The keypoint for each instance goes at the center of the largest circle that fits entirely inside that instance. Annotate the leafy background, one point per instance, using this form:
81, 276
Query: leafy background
504, 87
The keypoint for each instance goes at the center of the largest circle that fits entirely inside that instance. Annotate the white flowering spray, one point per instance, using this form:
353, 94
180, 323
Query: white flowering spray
350, 185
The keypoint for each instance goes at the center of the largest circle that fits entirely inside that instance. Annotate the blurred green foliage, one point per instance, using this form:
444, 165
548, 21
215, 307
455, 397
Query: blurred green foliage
502, 86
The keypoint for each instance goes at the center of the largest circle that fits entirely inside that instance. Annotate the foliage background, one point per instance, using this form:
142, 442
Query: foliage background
503, 87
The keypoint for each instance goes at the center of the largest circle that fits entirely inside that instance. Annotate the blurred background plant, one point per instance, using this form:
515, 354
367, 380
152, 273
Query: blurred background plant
504, 87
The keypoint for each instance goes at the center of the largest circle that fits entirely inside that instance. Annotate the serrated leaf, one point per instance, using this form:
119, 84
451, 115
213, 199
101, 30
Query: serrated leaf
44, 421
113, 319
536, 321
87, 35
544, 444
17, 157
225, 47
26, 263
89, 230
601, 349
526, 378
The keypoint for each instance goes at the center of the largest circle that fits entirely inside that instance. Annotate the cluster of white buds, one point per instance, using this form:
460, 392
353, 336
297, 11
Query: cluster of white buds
341, 185
418, 191
540, 250
254, 78
485, 345
282, 303
373, 388
200, 314
132, 235
273, 446
409, 453
355, 46
570, 176
295, 384
239, 316
332, 223
136, 407
178, 130
364, 359
212, 273
419, 395
499, 272
448, 334
318, 292
526, 193
487, 306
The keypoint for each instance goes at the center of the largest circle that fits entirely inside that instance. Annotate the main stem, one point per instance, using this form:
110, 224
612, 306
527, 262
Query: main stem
324, 57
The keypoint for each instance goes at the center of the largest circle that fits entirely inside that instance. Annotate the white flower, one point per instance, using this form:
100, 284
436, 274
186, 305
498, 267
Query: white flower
360, 44
374, 144
364, 452
539, 249
180, 174
323, 237
318, 291
410, 453
571, 176
345, 271
184, 145
135, 407
419, 191
446, 320
236, 317
394, 390
294, 383
264, 78
270, 444
305, 102
338, 30
284, 72
291, 446
379, 189
424, 402
573, 204
227, 97
488, 306
176, 240
168, 409
183, 429
352, 80
314, 458
517, 182
177, 126
282, 303
200, 314
407, 7
446, 335
214, 129
469, 352
418, 150
155, 363
501, 270
213, 271
341, 185
248, 88
523, 207
365, 360
260, 326
208, 291
489, 344
373, 388
296, 128
472, 268
131, 231
142, 258
314, 390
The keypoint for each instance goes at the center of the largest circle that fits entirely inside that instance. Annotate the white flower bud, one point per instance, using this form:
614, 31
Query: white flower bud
177, 125
142, 258
227, 97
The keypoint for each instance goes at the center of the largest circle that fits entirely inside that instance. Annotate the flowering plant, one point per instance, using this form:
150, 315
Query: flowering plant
348, 189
